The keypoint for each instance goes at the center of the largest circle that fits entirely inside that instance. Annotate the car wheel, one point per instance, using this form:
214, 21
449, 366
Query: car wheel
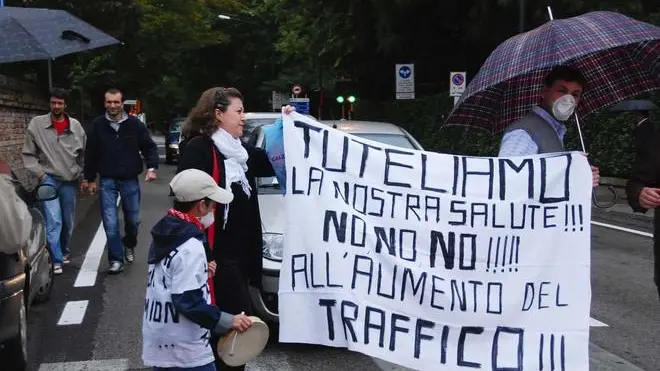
43, 293
15, 350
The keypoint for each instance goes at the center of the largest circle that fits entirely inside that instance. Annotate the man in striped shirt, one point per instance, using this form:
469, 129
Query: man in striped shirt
542, 130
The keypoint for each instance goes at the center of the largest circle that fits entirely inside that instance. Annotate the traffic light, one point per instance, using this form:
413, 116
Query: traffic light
351, 99
340, 99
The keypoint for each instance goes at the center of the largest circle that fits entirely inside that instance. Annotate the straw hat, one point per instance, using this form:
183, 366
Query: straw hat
238, 348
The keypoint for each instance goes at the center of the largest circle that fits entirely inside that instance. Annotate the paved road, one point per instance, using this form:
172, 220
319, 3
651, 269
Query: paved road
104, 312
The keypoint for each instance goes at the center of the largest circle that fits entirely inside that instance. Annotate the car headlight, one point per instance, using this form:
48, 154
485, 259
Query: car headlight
273, 246
174, 146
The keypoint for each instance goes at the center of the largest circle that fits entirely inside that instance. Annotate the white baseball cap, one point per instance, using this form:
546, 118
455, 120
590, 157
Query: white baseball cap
195, 185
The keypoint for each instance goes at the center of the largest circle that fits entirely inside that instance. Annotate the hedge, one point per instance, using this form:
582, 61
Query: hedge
607, 135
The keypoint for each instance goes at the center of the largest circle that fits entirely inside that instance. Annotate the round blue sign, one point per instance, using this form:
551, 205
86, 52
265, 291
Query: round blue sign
405, 72
457, 79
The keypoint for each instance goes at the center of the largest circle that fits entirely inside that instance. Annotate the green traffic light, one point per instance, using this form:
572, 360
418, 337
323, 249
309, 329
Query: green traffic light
340, 99
351, 99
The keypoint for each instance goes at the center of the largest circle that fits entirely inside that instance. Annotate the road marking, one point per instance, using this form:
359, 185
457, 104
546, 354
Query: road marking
73, 313
596, 323
101, 365
90, 266
89, 269
616, 227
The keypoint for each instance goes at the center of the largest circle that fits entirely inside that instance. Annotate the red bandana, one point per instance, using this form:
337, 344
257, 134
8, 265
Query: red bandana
186, 217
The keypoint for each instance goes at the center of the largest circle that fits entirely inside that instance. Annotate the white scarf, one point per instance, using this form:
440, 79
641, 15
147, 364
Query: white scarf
236, 159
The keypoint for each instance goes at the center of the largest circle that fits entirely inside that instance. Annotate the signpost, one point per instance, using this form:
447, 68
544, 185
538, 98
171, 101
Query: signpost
405, 81
457, 82
279, 99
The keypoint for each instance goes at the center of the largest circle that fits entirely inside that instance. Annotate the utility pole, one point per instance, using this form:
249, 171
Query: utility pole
521, 16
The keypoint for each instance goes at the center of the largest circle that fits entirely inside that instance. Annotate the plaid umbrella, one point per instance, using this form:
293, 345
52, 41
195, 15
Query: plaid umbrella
619, 56
36, 34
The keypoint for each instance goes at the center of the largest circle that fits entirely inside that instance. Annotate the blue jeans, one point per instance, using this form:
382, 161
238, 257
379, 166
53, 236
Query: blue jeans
60, 217
209, 367
129, 190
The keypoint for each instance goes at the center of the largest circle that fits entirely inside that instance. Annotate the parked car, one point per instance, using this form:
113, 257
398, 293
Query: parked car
271, 206
254, 120
25, 278
173, 140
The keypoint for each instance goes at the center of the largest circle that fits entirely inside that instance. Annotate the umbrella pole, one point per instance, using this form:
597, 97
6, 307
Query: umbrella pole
579, 127
50, 75
609, 188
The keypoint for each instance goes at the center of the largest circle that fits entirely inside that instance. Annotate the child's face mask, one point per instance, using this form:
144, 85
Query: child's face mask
208, 219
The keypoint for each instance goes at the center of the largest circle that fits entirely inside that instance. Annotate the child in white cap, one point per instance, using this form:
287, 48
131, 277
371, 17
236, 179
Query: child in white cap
178, 315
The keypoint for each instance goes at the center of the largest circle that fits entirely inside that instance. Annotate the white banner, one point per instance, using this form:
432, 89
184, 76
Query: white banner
435, 261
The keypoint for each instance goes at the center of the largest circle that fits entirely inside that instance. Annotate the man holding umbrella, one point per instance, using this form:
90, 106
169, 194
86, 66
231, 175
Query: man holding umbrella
542, 130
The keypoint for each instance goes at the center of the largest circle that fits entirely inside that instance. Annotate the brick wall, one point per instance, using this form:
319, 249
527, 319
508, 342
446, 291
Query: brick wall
19, 102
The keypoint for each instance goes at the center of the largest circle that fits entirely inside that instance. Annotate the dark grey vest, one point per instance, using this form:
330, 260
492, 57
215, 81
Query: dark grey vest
540, 131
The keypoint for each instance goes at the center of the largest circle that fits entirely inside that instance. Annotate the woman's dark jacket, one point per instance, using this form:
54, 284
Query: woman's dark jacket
240, 242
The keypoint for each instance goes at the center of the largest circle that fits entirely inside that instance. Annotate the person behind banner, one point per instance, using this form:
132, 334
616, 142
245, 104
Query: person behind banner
542, 130
212, 144
179, 317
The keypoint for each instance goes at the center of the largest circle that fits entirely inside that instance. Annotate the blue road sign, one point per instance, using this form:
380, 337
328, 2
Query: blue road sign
405, 72
458, 79
301, 104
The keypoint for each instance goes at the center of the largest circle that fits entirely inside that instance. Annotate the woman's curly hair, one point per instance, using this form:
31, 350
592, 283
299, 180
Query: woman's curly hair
201, 119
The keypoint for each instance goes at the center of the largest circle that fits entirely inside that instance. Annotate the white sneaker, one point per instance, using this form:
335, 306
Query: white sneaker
57, 269
116, 268
130, 254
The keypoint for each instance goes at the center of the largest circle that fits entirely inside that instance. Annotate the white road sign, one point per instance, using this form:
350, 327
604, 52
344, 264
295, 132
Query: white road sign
457, 82
405, 81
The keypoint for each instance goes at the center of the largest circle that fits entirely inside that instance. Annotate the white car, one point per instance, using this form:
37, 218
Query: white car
254, 120
271, 206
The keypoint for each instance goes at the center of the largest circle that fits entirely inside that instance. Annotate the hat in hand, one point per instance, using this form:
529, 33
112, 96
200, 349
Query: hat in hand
238, 348
195, 185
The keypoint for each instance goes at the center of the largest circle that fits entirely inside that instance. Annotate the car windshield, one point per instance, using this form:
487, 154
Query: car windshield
269, 185
251, 125
396, 140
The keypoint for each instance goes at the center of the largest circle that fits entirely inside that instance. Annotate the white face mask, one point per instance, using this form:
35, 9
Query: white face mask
563, 107
208, 220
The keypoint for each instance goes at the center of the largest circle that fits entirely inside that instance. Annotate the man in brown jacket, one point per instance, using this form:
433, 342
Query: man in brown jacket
53, 151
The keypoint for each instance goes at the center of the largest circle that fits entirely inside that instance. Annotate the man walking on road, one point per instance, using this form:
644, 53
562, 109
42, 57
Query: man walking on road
643, 188
542, 130
116, 140
53, 151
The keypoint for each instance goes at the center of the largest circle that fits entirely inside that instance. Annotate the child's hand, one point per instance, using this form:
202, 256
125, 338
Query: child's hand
241, 322
212, 267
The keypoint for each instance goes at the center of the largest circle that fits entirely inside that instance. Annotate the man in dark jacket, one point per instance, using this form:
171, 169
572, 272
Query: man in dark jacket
643, 188
114, 144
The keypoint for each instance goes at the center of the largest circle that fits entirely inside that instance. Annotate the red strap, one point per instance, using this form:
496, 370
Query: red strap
211, 231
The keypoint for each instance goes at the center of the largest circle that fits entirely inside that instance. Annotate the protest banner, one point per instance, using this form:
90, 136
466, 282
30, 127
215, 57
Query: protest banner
435, 261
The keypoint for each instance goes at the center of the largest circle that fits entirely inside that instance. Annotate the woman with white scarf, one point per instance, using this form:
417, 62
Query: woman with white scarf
212, 143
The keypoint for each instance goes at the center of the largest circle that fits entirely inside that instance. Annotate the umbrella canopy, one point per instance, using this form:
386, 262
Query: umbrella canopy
634, 105
619, 57
35, 34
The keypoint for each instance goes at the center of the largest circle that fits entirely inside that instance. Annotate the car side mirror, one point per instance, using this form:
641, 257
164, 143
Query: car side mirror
46, 192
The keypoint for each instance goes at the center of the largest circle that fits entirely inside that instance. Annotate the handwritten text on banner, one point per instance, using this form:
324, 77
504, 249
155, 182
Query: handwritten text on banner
435, 261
